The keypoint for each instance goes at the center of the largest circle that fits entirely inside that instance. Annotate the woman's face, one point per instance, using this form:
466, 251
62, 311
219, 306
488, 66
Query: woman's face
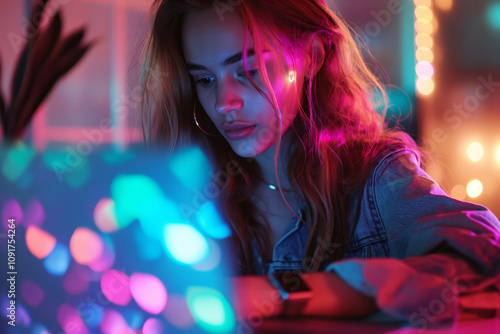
213, 54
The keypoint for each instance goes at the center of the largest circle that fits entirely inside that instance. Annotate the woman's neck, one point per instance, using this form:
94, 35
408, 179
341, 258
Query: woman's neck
266, 161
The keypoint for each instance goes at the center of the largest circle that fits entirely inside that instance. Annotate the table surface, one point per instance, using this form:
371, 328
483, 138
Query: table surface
316, 325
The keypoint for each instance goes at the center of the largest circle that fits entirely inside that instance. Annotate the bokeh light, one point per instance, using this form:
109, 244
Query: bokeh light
58, 260
493, 15
211, 222
91, 313
16, 161
153, 326
105, 216
147, 249
424, 13
34, 214
156, 213
424, 54
475, 151
474, 188
292, 75
424, 41
425, 86
177, 312
212, 261
185, 244
107, 258
131, 194
39, 242
425, 70
148, 292
70, 321
426, 3
85, 245
77, 279
191, 167
114, 323
32, 293
459, 192
445, 5
11, 210
115, 286
211, 310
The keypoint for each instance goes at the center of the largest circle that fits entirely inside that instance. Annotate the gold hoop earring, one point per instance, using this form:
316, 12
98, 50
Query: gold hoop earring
199, 126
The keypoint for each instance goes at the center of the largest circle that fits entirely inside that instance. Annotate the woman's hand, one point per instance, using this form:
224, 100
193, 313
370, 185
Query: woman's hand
256, 298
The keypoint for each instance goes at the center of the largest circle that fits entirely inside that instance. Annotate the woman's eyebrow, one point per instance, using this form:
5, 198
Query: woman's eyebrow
230, 60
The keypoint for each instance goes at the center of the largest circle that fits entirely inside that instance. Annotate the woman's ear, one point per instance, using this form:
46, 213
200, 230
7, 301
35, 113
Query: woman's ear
316, 56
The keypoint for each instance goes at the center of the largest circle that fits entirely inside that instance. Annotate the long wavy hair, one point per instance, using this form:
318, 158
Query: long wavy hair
337, 135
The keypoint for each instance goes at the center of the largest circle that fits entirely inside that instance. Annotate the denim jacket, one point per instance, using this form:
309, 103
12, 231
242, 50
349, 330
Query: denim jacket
418, 252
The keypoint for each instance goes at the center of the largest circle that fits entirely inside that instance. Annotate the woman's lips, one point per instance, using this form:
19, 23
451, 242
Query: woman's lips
237, 131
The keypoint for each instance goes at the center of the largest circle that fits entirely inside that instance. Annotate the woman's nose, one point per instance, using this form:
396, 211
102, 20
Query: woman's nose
228, 96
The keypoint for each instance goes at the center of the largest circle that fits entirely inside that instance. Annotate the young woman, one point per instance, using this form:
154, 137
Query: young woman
278, 92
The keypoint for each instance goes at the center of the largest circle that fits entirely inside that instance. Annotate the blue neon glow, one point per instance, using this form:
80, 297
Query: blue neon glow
91, 313
131, 194
58, 260
185, 244
211, 310
493, 14
211, 222
191, 167
156, 213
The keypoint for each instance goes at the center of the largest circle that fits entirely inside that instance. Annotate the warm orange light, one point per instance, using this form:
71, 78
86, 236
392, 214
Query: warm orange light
424, 41
425, 54
474, 188
425, 86
39, 242
498, 154
444, 4
85, 245
459, 192
423, 27
424, 13
426, 3
475, 151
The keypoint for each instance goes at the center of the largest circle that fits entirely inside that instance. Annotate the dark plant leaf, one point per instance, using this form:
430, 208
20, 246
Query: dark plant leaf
17, 79
36, 15
41, 51
2, 102
46, 81
68, 43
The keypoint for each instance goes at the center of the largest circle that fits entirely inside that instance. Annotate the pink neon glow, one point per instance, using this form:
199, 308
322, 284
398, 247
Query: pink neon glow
85, 246
34, 214
106, 260
39, 242
149, 292
11, 210
115, 286
70, 320
104, 215
32, 293
77, 279
114, 323
177, 312
153, 326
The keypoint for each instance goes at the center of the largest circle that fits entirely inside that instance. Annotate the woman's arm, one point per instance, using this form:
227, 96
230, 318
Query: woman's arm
255, 297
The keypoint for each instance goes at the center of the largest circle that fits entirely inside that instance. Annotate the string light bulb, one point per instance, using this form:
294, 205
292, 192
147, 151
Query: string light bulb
292, 75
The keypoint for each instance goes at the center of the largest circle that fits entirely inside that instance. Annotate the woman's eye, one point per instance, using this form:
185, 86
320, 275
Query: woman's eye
253, 73
205, 81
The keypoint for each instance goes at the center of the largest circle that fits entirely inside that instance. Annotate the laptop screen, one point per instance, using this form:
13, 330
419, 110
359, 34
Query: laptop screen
113, 242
